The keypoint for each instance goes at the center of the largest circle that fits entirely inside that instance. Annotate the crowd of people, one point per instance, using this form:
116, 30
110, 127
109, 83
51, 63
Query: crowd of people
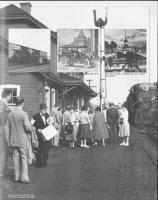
93, 124
74, 126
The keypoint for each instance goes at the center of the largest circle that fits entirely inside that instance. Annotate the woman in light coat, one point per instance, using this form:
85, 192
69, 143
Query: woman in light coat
124, 130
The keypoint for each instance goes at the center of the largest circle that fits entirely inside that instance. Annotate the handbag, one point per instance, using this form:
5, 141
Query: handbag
121, 120
69, 128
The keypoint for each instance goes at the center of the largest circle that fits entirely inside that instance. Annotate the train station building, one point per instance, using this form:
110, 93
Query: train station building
38, 82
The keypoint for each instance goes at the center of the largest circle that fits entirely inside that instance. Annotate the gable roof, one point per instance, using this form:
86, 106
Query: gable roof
12, 12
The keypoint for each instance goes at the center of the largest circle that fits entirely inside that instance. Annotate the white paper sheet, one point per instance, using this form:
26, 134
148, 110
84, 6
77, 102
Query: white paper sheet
49, 132
32, 121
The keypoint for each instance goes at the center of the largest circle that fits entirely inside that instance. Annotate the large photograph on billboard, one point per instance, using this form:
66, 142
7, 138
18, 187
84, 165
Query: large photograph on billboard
77, 50
29, 47
125, 50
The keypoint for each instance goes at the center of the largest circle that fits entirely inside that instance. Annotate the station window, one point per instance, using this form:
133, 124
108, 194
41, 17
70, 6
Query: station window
15, 91
13, 94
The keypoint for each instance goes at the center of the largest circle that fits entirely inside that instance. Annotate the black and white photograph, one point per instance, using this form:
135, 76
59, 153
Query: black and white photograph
28, 47
125, 50
78, 100
77, 50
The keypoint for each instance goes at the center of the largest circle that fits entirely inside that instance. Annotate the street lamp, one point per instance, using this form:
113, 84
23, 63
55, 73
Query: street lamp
101, 23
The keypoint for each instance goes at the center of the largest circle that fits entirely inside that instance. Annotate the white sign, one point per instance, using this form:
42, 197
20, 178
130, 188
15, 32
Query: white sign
49, 132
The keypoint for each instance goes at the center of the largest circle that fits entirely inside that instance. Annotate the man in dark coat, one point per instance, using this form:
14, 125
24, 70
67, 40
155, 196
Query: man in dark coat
40, 121
112, 121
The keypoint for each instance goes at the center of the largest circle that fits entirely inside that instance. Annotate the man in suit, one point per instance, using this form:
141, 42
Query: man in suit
4, 111
56, 114
112, 121
40, 121
18, 127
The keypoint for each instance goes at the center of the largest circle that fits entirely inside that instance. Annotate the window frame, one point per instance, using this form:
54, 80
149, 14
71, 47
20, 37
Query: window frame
10, 86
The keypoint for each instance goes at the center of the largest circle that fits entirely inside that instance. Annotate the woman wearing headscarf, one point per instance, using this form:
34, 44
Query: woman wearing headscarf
100, 127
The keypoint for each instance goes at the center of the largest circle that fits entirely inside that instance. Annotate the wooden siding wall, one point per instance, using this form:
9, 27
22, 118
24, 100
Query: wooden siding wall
72, 99
4, 32
32, 89
3, 66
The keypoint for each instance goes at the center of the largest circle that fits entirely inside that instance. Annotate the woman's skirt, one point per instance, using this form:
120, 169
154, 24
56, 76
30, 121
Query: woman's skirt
84, 131
124, 130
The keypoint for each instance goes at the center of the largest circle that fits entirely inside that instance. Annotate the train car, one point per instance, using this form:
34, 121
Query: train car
142, 106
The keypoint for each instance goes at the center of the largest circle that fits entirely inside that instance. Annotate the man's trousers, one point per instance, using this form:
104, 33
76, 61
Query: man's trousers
20, 164
42, 153
3, 154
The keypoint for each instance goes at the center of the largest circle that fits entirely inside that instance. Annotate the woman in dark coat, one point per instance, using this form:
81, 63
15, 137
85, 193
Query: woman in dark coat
100, 127
112, 120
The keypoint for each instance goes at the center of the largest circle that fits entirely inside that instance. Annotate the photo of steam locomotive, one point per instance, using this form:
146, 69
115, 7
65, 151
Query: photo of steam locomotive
125, 50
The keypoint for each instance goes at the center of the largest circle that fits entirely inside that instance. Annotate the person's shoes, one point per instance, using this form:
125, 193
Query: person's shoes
26, 181
85, 146
103, 145
126, 144
95, 144
82, 145
123, 143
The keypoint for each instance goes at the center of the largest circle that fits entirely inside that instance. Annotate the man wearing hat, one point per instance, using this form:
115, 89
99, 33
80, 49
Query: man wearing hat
40, 121
18, 126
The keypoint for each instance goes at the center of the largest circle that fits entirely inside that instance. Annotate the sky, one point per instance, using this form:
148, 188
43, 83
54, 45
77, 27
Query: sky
30, 38
118, 35
67, 35
121, 15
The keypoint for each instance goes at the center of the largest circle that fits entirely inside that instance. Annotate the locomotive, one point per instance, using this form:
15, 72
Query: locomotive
142, 106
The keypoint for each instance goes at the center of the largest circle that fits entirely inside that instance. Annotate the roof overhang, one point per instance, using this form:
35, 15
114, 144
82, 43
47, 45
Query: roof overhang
59, 80
42, 70
21, 15
72, 81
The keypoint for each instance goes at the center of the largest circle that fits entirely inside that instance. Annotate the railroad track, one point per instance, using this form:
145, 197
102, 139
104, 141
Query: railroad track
149, 149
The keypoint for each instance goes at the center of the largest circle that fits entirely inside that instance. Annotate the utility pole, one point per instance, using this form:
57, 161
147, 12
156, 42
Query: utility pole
89, 82
101, 23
